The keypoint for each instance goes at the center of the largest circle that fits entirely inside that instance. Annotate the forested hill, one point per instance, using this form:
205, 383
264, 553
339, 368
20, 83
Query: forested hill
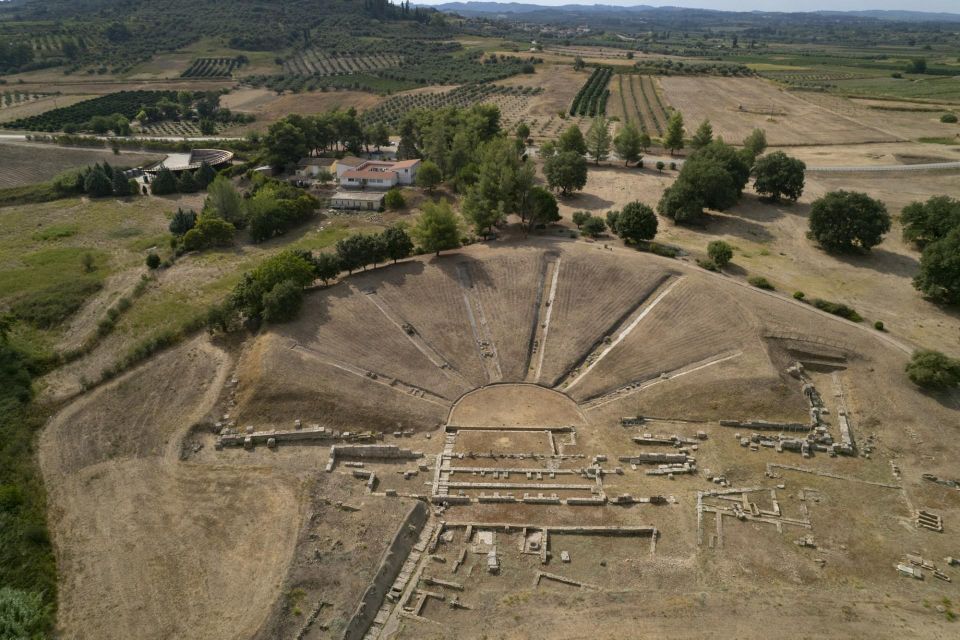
120, 32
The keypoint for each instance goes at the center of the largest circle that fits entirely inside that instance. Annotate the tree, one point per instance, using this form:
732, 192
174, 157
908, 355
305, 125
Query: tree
703, 136
284, 144
939, 276
438, 228
186, 183
594, 226
933, 370
845, 220
682, 203
205, 175
523, 131
755, 143
182, 221
502, 183
917, 65
209, 232
542, 208
121, 185
579, 217
164, 183
645, 142
720, 252
779, 176
673, 140
353, 252
637, 222
153, 260
282, 303
572, 140
735, 163
598, 139
429, 176
326, 266
225, 202
397, 243
97, 184
578, 63
713, 184
393, 199
566, 171
256, 290
613, 218
660, 166
925, 222
628, 144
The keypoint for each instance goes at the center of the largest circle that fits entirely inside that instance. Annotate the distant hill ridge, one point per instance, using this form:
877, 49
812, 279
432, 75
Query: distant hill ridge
479, 8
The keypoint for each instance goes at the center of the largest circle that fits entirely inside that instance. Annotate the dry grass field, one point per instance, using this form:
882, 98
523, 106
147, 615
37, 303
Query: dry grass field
735, 106
409, 348
268, 107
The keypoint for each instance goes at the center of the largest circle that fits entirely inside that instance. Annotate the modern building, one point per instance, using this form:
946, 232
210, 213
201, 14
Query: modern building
362, 200
376, 174
179, 162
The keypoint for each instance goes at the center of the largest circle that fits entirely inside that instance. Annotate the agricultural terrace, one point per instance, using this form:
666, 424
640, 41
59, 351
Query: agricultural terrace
392, 110
222, 67
316, 62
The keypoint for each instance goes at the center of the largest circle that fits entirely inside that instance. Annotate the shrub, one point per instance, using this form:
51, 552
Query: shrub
720, 253
949, 118
594, 226
837, 309
580, 217
878, 325
933, 370
153, 260
760, 283
799, 295
394, 200
707, 264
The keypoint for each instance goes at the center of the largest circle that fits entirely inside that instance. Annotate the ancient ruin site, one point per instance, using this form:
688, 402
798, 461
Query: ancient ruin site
538, 439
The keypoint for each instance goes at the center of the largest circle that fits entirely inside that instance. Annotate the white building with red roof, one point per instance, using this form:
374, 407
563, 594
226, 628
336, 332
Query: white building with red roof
377, 174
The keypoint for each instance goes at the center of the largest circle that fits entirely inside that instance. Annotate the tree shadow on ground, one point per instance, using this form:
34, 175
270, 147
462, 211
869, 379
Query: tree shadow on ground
716, 223
587, 201
881, 260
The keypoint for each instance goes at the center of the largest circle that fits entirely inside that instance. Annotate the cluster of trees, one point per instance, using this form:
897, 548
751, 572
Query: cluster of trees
296, 136
272, 209
98, 181
934, 226
565, 166
715, 174
360, 250
14, 55
166, 182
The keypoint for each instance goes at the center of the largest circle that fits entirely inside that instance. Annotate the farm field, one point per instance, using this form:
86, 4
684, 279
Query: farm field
38, 105
25, 164
512, 101
736, 106
637, 99
268, 107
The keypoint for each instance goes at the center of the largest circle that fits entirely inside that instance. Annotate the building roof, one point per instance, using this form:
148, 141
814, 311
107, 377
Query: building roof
370, 174
316, 162
405, 164
351, 161
363, 196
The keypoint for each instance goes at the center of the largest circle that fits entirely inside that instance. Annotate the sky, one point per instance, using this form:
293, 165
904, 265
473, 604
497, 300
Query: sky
950, 6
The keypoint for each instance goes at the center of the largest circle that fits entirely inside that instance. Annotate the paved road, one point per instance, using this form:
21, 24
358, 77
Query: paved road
650, 162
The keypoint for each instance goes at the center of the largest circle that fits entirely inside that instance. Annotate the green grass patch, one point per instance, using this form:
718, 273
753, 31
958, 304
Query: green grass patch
942, 140
29, 194
760, 283
55, 232
41, 270
48, 307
